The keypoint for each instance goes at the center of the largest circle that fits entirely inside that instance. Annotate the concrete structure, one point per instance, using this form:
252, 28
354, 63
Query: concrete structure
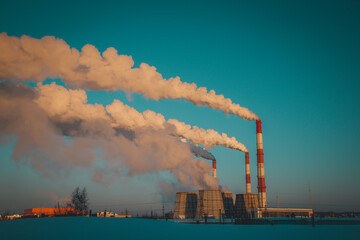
246, 205
185, 205
228, 204
260, 166
214, 204
283, 212
210, 204
247, 173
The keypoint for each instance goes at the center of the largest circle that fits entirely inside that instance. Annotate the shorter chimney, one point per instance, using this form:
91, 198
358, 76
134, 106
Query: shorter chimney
214, 167
247, 172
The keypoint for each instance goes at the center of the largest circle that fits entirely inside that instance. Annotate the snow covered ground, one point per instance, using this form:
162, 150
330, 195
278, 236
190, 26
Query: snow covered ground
132, 228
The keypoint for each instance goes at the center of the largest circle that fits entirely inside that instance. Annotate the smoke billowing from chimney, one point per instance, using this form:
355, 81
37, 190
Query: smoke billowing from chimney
27, 58
127, 117
38, 123
69, 105
200, 152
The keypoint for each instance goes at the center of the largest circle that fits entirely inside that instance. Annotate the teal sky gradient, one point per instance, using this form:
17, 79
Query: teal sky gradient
296, 64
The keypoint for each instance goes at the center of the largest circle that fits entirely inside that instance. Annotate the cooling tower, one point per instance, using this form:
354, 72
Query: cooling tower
185, 205
209, 204
228, 204
245, 205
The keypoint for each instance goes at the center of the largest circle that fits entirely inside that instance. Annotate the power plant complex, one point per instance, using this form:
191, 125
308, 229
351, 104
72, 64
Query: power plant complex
212, 203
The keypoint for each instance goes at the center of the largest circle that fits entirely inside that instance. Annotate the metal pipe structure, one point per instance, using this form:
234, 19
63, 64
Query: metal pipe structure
247, 172
260, 166
214, 167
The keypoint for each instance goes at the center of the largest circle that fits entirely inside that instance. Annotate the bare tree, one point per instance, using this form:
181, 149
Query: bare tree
57, 211
80, 199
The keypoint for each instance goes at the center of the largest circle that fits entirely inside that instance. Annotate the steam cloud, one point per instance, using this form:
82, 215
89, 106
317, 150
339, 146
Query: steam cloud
38, 123
130, 143
200, 152
27, 58
70, 105
128, 117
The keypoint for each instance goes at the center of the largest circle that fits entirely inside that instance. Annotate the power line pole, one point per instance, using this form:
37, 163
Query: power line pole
163, 209
310, 199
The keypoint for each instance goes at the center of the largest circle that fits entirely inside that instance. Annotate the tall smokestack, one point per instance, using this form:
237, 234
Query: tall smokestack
214, 167
247, 171
260, 166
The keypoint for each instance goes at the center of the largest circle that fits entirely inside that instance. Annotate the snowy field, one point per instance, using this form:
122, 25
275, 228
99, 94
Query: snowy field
132, 228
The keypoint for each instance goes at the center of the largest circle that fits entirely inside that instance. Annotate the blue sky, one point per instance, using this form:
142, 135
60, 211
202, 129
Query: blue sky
295, 64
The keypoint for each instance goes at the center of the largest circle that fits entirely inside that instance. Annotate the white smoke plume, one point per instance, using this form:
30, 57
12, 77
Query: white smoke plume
200, 152
129, 118
39, 142
27, 58
70, 105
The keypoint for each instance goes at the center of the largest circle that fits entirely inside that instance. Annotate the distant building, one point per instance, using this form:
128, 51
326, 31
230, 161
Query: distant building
52, 212
10, 217
283, 212
112, 214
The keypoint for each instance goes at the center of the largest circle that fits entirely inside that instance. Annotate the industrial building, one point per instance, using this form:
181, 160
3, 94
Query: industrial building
51, 212
112, 214
283, 212
215, 204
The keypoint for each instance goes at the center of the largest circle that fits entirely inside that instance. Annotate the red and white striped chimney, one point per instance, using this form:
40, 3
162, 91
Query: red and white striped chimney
260, 166
214, 167
247, 171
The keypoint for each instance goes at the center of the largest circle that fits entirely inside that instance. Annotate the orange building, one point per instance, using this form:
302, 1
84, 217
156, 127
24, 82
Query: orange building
52, 212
